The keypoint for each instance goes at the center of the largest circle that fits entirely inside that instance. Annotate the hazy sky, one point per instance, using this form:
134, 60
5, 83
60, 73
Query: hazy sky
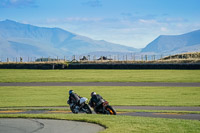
129, 22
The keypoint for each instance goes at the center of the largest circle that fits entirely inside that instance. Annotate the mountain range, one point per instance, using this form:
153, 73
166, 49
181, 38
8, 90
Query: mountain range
24, 40
174, 44
17, 39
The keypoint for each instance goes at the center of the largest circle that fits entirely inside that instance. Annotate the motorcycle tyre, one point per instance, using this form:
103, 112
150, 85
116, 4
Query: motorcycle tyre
109, 109
73, 110
89, 111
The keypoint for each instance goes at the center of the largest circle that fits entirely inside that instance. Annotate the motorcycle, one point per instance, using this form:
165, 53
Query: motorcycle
83, 107
105, 109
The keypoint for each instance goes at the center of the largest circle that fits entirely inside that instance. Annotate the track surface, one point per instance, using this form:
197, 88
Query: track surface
159, 108
46, 126
101, 84
165, 115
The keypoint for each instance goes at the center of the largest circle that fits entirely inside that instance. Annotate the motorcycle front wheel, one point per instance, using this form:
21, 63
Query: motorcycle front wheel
87, 109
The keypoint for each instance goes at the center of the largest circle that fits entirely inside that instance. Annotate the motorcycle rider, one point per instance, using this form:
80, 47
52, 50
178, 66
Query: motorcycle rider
74, 101
96, 101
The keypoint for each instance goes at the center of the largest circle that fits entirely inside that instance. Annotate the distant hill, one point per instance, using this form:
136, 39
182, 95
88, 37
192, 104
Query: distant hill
172, 44
17, 39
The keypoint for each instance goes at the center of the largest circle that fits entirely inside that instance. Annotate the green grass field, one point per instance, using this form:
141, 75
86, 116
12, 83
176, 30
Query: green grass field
125, 124
57, 96
16, 96
17, 75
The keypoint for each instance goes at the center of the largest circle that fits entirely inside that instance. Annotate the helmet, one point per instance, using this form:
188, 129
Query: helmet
93, 93
71, 91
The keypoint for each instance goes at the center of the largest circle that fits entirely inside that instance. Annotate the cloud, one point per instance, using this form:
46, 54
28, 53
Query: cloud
134, 17
150, 21
93, 3
163, 29
129, 29
83, 19
72, 20
176, 20
17, 3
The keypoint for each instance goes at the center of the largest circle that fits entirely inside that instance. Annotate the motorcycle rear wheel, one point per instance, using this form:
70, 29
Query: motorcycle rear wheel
111, 110
73, 111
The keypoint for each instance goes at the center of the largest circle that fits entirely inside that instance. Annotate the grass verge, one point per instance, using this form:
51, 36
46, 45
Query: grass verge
125, 124
11, 96
16, 75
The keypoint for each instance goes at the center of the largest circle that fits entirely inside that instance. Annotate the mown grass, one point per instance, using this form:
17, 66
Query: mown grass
124, 124
16, 75
57, 96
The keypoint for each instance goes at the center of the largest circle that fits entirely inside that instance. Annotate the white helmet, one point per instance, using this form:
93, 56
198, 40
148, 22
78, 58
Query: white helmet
93, 93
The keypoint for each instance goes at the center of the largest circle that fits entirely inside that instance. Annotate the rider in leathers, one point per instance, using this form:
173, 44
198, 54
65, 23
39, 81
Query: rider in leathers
74, 101
96, 102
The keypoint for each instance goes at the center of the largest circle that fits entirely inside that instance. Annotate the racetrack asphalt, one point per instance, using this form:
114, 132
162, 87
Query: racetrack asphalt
101, 84
46, 126
165, 115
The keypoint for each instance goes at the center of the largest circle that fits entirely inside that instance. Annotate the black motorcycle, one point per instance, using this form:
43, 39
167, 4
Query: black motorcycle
83, 107
105, 108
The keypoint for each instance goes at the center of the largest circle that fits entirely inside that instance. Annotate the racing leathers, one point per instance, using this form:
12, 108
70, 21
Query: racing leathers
74, 101
96, 102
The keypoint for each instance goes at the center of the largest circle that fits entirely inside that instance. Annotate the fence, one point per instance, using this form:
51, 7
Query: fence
127, 57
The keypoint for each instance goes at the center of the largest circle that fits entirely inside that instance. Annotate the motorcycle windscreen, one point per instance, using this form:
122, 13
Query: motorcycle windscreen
82, 100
